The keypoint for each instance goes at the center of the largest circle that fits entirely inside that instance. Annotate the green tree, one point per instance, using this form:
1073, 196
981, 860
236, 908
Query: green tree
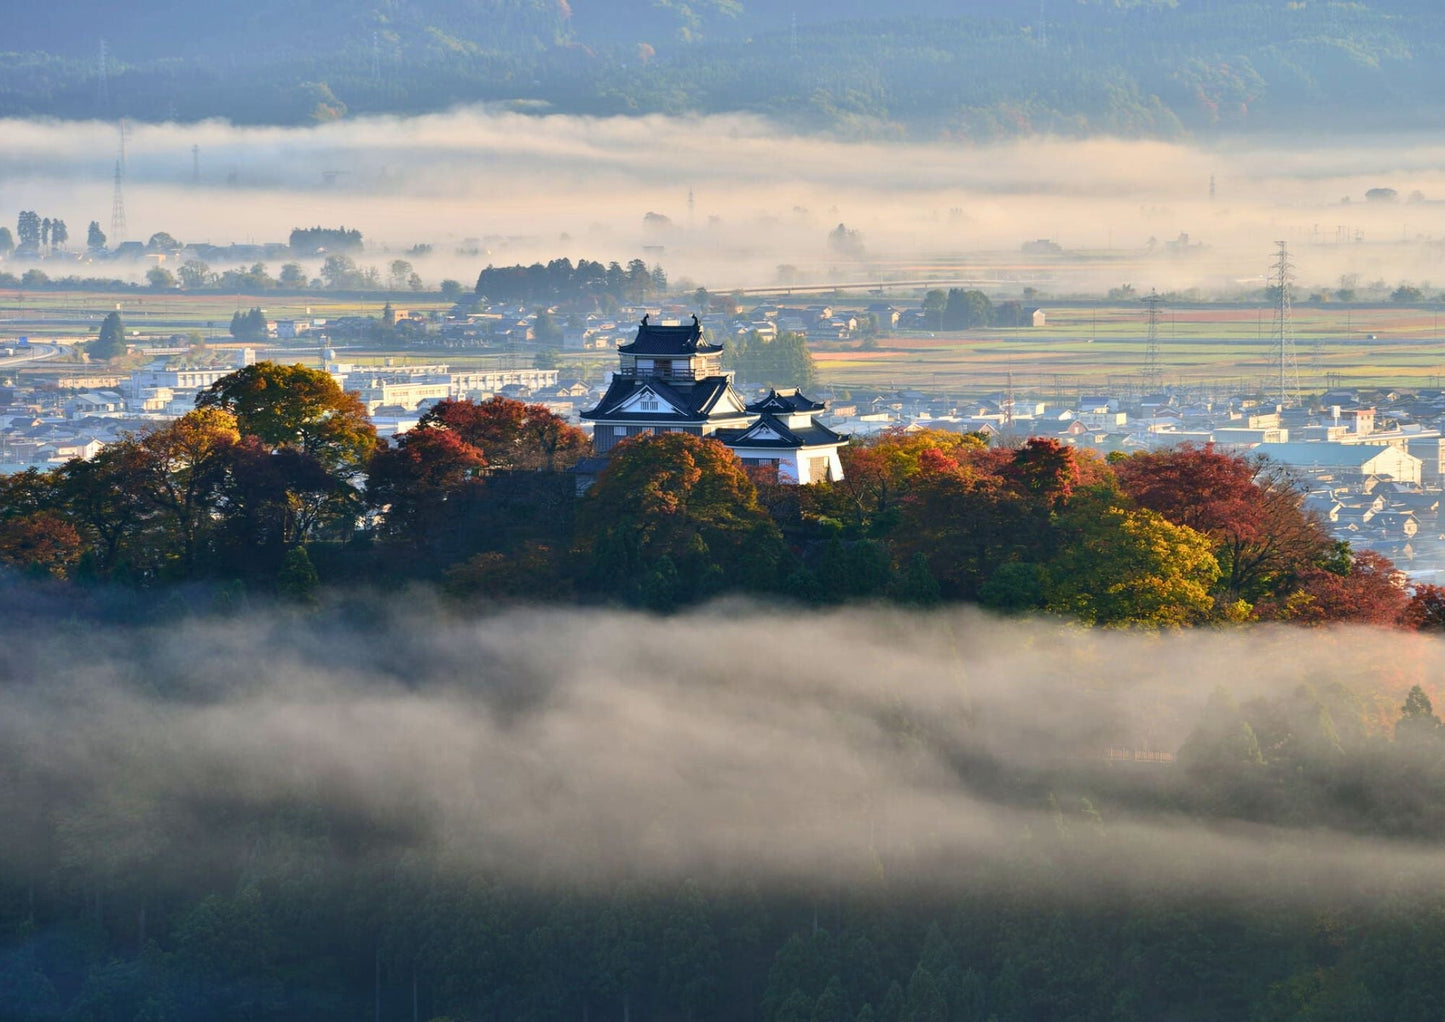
94, 236
966, 308
110, 341
1418, 721
1121, 567
298, 581
160, 278
194, 274
293, 276
295, 406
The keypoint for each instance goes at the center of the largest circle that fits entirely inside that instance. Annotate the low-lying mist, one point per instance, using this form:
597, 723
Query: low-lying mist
742, 197
738, 742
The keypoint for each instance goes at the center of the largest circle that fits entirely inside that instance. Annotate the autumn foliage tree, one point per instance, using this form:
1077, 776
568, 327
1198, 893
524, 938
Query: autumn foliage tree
419, 483
1250, 510
511, 435
674, 518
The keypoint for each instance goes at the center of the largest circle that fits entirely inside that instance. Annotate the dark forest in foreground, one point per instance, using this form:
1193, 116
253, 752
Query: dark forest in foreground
581, 815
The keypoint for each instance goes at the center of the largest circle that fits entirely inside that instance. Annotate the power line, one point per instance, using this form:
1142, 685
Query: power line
1152, 373
102, 82
1283, 285
117, 204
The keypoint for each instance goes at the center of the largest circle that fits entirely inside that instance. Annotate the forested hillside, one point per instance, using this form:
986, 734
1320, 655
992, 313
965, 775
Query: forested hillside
921, 67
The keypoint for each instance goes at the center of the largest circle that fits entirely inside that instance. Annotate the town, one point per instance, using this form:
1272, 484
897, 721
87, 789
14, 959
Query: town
1369, 457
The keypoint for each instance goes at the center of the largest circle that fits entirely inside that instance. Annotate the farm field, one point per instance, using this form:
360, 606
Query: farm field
67, 314
1085, 348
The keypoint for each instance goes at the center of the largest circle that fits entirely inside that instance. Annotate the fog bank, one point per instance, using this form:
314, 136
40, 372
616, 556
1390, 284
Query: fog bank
588, 747
743, 197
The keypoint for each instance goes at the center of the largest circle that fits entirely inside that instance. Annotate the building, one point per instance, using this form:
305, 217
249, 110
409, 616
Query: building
671, 380
1351, 463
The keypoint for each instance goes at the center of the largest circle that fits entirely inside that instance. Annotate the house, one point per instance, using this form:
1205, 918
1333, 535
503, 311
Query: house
1038, 318
670, 379
1348, 462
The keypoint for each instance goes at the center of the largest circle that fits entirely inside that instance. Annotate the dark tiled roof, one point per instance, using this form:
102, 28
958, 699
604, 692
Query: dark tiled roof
695, 400
669, 340
788, 438
786, 402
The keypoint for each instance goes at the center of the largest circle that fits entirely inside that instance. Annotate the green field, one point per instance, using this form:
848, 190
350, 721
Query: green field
1083, 348
1088, 348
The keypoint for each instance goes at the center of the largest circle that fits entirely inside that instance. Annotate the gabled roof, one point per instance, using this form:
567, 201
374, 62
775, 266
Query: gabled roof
769, 431
786, 402
669, 340
1325, 454
690, 402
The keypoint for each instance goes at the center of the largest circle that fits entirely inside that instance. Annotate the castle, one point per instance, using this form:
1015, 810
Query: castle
671, 380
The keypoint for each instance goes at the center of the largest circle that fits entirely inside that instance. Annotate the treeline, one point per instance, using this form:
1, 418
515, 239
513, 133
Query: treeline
559, 281
756, 358
277, 465
977, 72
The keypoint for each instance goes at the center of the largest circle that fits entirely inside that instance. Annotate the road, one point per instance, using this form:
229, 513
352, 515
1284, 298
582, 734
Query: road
31, 353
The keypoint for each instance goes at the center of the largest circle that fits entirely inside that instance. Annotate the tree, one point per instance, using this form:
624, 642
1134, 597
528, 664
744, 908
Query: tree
511, 435
934, 304
59, 235
400, 272
293, 276
1418, 722
674, 518
7, 241
1426, 612
1252, 510
94, 237
1360, 587
1131, 567
27, 229
783, 360
194, 274
546, 328
182, 471
845, 242
966, 308
298, 581
249, 325
294, 406
160, 278
110, 342
451, 290
160, 241
340, 273
41, 543
420, 481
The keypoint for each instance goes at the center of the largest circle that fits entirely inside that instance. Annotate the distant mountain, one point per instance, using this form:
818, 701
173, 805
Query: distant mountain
957, 68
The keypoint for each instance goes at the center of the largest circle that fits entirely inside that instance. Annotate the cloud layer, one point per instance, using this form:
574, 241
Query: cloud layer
582, 747
511, 187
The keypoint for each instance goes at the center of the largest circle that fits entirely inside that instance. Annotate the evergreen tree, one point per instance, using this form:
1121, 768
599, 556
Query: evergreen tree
110, 342
298, 581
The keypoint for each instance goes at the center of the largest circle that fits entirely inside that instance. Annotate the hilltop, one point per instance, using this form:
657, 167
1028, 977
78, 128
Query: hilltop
918, 68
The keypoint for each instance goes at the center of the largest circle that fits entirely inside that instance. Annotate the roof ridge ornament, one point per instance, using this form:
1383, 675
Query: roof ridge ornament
645, 315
